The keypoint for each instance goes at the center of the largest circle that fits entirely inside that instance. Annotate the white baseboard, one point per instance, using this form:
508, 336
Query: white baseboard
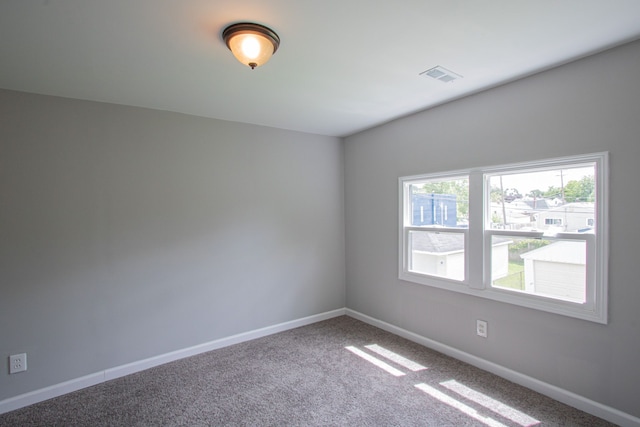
56, 390
582, 403
50, 392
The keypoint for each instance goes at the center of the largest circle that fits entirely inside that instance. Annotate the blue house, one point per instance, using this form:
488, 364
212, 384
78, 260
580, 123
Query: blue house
434, 209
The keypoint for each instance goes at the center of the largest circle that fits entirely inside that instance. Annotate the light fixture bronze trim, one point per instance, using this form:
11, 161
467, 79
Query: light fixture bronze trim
265, 37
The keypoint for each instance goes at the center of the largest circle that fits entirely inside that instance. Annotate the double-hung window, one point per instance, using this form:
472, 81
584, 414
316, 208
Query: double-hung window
436, 222
532, 234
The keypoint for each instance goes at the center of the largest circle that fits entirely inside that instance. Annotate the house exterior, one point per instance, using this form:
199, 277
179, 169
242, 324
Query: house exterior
434, 209
569, 217
543, 214
442, 254
518, 215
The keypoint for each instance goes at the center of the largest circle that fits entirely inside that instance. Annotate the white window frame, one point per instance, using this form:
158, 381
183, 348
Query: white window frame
478, 239
406, 228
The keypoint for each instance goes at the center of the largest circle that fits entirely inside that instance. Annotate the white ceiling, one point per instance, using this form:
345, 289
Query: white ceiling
343, 65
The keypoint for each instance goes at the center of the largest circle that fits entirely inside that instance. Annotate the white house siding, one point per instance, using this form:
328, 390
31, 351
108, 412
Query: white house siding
574, 216
424, 263
449, 265
558, 270
455, 265
499, 261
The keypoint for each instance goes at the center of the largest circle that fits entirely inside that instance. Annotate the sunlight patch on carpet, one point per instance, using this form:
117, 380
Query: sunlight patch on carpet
395, 357
467, 410
375, 361
492, 404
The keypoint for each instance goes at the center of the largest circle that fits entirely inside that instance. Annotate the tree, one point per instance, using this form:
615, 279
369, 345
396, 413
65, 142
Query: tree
495, 194
510, 194
553, 192
536, 194
459, 188
580, 191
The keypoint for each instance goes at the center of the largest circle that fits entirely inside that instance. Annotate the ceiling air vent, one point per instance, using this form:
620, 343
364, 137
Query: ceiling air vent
441, 73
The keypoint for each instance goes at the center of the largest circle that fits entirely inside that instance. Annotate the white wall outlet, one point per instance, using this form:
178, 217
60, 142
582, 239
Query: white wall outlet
482, 328
17, 363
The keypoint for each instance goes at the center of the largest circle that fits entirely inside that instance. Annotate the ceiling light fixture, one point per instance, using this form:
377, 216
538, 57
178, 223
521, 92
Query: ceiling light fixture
251, 44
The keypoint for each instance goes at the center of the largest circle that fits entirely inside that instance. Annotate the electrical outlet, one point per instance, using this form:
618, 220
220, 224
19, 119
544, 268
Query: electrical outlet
17, 363
482, 328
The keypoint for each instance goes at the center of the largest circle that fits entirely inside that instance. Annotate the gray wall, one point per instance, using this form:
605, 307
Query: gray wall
127, 233
587, 106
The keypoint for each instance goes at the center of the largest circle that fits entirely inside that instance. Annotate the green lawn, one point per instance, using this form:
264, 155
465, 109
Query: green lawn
515, 279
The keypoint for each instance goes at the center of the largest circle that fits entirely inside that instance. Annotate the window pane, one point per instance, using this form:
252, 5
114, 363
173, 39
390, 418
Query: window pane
437, 254
549, 268
556, 200
440, 203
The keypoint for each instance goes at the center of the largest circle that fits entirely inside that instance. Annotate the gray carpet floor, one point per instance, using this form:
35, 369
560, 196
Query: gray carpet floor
329, 373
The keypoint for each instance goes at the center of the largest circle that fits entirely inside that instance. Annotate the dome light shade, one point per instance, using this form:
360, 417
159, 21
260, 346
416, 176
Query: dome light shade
251, 44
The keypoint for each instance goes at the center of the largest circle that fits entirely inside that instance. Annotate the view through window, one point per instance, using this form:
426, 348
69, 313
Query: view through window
542, 207
531, 233
438, 216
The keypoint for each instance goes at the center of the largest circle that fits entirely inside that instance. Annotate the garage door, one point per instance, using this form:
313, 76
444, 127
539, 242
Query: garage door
560, 280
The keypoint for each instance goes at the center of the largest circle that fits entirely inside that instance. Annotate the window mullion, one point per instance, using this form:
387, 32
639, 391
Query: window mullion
475, 250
